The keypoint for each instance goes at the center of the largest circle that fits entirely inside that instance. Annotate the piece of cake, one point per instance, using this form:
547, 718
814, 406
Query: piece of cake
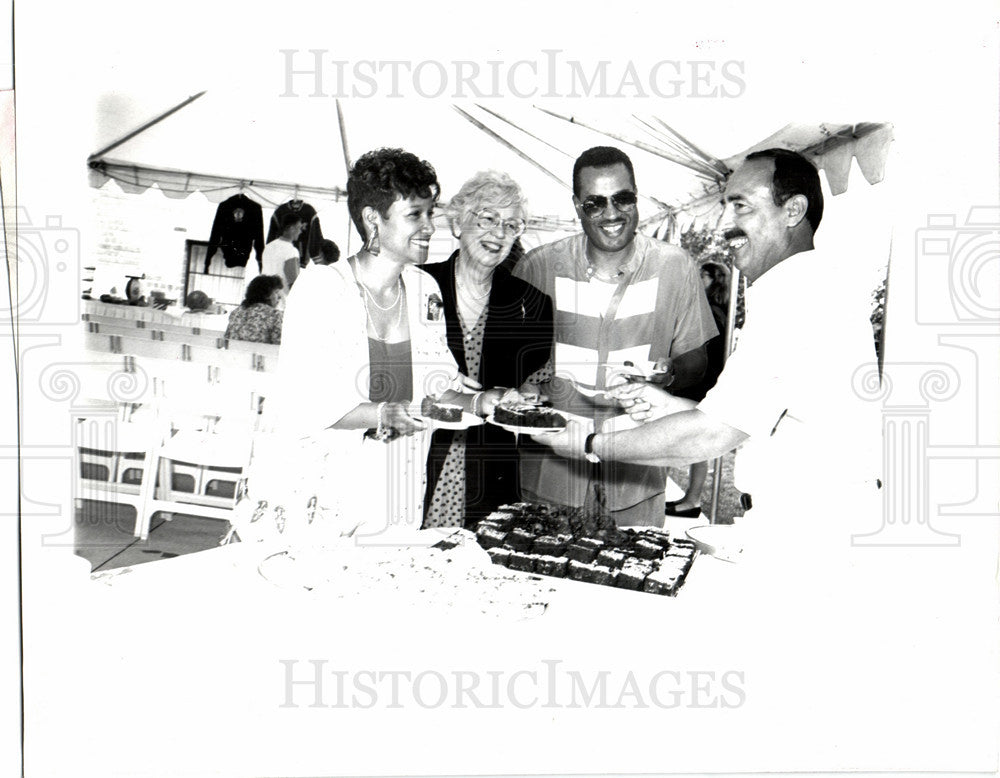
551, 545
505, 520
633, 573
609, 557
520, 540
521, 561
551, 565
499, 555
527, 415
432, 409
581, 552
488, 537
663, 581
580, 571
644, 549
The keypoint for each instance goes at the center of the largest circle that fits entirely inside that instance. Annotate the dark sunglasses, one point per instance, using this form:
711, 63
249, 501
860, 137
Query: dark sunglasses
595, 205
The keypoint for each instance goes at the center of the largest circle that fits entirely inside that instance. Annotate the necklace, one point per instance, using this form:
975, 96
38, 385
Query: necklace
393, 304
391, 327
464, 287
367, 295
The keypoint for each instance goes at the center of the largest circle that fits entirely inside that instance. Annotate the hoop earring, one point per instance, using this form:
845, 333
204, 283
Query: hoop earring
372, 245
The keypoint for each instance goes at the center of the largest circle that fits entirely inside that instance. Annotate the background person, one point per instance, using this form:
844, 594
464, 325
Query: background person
500, 332
281, 257
258, 317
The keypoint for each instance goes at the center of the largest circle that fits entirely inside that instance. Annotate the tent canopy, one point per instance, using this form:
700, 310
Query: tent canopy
222, 143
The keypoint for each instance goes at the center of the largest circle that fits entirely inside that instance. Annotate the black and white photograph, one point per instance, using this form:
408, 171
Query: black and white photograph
525, 390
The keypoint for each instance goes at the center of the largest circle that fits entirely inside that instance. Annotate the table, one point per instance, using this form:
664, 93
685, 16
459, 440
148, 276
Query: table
197, 665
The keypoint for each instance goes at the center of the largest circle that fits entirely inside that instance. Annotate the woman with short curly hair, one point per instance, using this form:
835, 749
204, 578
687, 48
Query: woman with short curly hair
363, 345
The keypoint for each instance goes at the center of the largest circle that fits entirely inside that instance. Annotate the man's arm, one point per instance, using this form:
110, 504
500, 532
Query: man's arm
679, 439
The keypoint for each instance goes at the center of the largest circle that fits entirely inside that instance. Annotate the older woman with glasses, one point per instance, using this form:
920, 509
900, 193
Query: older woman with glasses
500, 332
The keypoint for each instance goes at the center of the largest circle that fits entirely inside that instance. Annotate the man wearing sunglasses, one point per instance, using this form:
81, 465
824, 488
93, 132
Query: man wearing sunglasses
621, 299
811, 444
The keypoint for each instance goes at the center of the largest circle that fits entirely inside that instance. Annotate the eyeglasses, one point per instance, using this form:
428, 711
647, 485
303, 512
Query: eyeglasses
488, 219
624, 201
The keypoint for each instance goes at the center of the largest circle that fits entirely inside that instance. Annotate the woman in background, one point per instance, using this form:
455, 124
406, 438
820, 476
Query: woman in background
500, 332
258, 318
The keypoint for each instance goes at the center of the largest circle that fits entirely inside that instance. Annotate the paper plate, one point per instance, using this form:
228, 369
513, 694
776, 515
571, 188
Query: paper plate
723, 541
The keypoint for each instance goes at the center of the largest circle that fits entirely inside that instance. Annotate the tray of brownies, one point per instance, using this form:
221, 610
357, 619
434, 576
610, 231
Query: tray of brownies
570, 543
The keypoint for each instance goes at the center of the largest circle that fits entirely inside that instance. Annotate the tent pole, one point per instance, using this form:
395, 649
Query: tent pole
144, 127
734, 293
691, 165
347, 164
504, 142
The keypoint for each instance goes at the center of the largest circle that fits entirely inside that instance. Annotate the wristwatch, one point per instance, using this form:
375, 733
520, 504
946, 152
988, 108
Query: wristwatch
588, 448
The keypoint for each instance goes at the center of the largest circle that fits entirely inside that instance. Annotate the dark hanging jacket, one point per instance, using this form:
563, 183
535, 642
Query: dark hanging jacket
310, 241
238, 227
517, 341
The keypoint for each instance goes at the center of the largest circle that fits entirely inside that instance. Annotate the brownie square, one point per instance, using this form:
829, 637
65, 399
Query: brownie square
500, 556
631, 578
550, 565
662, 582
520, 540
503, 519
580, 571
521, 561
644, 549
604, 575
580, 553
551, 545
661, 539
609, 557
489, 537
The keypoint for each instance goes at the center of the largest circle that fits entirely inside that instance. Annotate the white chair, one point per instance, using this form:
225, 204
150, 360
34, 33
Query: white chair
206, 439
111, 448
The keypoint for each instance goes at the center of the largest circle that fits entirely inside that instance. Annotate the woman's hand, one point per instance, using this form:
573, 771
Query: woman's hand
397, 420
491, 398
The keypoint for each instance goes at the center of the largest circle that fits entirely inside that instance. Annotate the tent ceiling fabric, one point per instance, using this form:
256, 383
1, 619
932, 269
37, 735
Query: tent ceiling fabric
275, 148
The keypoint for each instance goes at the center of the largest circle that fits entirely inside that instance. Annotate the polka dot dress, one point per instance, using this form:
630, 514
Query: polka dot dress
447, 508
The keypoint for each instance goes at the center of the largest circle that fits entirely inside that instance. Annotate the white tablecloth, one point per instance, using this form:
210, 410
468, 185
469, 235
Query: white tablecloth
182, 667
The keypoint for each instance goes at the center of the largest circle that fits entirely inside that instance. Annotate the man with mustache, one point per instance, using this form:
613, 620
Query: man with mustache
619, 298
786, 394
